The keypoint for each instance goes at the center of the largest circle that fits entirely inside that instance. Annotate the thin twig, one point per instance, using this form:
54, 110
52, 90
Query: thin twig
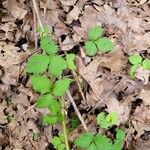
77, 110
34, 28
78, 84
64, 124
37, 13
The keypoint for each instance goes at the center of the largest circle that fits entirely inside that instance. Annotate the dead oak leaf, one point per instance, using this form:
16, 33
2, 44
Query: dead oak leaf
141, 120
145, 96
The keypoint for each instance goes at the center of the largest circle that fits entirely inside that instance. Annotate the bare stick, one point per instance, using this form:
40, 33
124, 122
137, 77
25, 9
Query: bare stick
77, 110
78, 84
37, 13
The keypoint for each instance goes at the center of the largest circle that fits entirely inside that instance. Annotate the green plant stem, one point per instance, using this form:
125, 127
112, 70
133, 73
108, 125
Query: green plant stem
64, 123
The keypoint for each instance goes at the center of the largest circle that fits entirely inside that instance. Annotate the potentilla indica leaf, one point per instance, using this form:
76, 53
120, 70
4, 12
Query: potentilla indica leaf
49, 119
41, 84
48, 45
104, 44
70, 58
95, 32
146, 64
57, 65
135, 59
44, 101
90, 48
84, 140
37, 64
61, 86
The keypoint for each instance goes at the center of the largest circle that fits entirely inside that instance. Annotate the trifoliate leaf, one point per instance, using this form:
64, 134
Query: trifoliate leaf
92, 147
41, 84
48, 45
120, 134
84, 140
146, 64
57, 65
135, 59
133, 69
90, 48
102, 142
104, 44
44, 101
37, 64
95, 32
48, 119
70, 61
112, 118
56, 141
61, 86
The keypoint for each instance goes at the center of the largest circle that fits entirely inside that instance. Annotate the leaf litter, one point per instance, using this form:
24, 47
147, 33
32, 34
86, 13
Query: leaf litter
126, 23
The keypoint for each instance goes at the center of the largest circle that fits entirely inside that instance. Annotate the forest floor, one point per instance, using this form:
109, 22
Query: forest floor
104, 80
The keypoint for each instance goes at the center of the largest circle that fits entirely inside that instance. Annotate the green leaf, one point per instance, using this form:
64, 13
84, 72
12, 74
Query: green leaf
62, 138
70, 61
104, 44
84, 140
101, 120
56, 141
44, 101
146, 64
37, 64
90, 48
49, 119
61, 86
41, 84
102, 142
92, 147
135, 59
57, 65
48, 45
95, 32
120, 135
112, 118
54, 107
133, 69
118, 145
61, 147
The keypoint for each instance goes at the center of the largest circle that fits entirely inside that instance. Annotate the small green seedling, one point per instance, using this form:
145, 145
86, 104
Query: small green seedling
137, 61
59, 142
96, 42
106, 121
89, 141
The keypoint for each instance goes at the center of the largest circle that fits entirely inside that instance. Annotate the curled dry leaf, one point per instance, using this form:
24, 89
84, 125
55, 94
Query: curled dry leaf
73, 14
16, 9
141, 120
145, 96
143, 75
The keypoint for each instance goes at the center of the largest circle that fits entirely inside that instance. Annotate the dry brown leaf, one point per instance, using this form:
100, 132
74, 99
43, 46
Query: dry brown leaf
73, 15
3, 117
122, 109
145, 96
141, 120
16, 9
143, 75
